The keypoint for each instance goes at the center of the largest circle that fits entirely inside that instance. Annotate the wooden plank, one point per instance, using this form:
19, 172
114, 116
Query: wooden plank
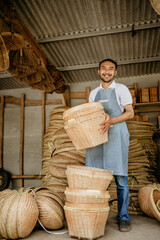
21, 139
43, 117
146, 110
25, 177
146, 104
63, 100
28, 102
67, 96
88, 90
78, 95
1, 131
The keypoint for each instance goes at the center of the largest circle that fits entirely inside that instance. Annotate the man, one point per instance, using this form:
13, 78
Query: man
113, 155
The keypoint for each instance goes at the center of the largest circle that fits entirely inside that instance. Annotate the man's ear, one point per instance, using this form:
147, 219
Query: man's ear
98, 72
116, 73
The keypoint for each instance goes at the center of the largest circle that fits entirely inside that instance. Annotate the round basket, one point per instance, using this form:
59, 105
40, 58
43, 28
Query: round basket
156, 5
86, 220
148, 198
82, 125
82, 177
4, 56
86, 196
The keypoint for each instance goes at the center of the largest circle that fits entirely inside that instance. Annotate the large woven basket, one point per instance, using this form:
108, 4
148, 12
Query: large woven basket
148, 198
86, 221
86, 196
82, 125
4, 56
88, 178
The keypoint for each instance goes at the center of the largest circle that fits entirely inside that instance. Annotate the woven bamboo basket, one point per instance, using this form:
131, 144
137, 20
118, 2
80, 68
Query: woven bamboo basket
4, 56
86, 196
86, 221
82, 125
82, 177
147, 198
158, 205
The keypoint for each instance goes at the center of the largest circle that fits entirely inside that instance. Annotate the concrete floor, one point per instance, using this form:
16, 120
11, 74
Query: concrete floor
143, 228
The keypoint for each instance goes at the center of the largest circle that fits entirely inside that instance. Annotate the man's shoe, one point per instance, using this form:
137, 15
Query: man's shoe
124, 226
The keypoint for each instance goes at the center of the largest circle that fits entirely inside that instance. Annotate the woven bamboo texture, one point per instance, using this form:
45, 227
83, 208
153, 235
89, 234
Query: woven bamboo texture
141, 165
86, 196
18, 214
82, 125
58, 153
13, 41
148, 197
88, 177
86, 221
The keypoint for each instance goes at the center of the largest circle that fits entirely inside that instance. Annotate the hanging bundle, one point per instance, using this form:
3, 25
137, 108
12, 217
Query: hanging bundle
13, 41
4, 56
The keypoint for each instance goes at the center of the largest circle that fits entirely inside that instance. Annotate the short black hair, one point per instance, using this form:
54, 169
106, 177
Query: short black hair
109, 60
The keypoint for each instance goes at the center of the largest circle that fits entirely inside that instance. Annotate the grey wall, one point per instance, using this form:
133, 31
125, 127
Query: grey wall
33, 126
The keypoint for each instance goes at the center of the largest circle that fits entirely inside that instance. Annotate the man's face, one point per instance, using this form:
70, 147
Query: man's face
107, 71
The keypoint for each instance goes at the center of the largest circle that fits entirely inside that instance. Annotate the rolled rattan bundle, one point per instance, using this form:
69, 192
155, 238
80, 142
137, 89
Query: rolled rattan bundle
82, 177
58, 153
86, 221
148, 198
139, 175
50, 206
18, 215
13, 41
4, 56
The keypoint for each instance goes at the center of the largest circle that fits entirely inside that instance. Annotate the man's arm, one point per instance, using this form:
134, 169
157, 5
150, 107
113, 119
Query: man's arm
128, 114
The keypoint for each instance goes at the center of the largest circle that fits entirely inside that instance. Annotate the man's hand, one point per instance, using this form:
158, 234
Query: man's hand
105, 125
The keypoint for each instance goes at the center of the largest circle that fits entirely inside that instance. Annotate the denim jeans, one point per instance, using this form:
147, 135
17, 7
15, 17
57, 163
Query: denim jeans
122, 197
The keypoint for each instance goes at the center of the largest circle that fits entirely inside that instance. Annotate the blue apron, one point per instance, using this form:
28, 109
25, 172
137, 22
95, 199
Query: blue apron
112, 155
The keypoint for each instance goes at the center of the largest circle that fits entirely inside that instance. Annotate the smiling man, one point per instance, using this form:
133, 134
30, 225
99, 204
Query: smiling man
113, 155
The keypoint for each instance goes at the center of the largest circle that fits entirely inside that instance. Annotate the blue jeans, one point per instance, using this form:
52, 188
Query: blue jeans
122, 197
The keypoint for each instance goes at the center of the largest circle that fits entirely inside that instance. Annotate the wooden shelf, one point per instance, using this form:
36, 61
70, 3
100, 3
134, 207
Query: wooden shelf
142, 107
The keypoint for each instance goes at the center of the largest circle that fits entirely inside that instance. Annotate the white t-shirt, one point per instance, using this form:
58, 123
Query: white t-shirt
123, 94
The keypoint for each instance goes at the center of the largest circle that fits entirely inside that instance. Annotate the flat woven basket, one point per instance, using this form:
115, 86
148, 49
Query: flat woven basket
4, 56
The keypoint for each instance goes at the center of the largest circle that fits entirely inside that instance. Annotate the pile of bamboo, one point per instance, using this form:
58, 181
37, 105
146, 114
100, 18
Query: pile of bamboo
58, 152
141, 163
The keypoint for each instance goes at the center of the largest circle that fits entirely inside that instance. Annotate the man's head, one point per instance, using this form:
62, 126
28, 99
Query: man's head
107, 70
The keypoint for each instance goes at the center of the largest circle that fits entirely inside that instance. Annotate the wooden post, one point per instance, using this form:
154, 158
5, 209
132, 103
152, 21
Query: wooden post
43, 117
67, 96
135, 86
21, 140
1, 131
88, 90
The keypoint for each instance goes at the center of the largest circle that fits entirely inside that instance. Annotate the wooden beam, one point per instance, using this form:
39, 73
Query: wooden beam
140, 110
67, 97
43, 117
78, 95
88, 90
28, 102
1, 131
21, 139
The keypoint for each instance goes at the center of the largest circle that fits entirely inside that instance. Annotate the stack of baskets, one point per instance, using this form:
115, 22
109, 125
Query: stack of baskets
87, 201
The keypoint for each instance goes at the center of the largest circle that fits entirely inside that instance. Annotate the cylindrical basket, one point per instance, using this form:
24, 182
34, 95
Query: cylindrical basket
83, 177
4, 56
82, 125
87, 196
86, 221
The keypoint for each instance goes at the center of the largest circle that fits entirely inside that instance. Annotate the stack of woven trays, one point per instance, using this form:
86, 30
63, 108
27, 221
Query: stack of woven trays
141, 164
58, 153
87, 201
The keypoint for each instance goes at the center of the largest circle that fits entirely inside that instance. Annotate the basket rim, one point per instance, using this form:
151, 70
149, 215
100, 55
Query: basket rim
80, 107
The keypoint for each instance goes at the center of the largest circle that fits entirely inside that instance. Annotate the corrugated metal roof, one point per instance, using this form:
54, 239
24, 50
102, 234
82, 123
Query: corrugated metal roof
77, 34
